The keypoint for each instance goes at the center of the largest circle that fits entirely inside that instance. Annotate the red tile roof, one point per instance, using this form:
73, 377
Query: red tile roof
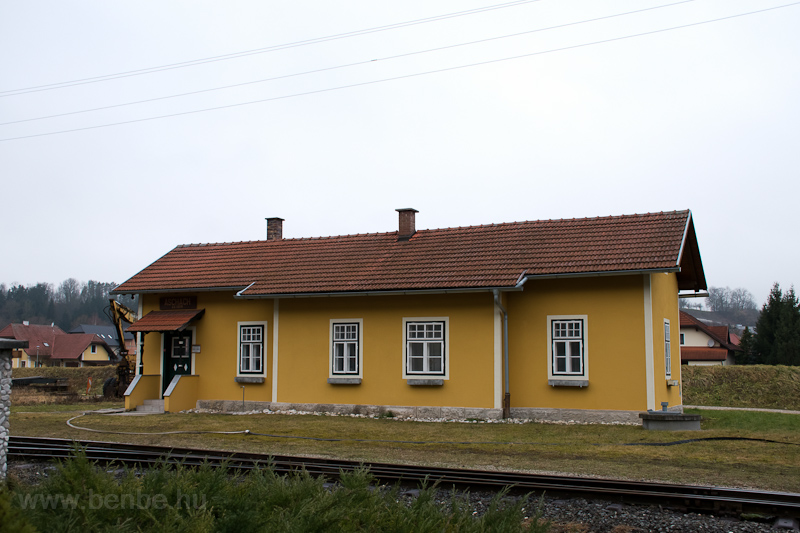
701, 353
496, 255
40, 338
172, 320
72, 345
718, 333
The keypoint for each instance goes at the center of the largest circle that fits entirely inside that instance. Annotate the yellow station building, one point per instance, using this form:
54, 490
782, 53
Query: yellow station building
558, 319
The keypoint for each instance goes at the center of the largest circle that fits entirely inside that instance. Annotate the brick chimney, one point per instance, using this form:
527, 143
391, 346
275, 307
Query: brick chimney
274, 229
407, 223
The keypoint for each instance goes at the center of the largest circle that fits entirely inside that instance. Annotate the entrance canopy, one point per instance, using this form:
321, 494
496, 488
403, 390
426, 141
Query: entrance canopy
162, 321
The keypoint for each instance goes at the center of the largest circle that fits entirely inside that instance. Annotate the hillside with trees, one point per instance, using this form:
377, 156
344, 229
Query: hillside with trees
725, 306
70, 304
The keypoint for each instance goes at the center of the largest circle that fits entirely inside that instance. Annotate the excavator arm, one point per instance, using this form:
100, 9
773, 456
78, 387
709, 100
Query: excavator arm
120, 313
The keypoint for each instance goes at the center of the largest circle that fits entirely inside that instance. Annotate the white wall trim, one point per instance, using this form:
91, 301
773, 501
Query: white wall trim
498, 358
648, 343
138, 341
275, 313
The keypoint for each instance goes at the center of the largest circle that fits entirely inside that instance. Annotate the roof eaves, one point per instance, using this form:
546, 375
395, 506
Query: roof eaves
602, 273
183, 289
242, 296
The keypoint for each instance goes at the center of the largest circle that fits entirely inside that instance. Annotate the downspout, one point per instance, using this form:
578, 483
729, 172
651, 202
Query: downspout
507, 397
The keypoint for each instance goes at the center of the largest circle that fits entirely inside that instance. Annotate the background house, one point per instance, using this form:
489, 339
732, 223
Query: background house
706, 345
109, 335
81, 349
51, 346
40, 339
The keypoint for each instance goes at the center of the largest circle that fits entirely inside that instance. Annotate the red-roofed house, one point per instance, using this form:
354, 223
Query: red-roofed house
706, 345
81, 349
40, 343
555, 318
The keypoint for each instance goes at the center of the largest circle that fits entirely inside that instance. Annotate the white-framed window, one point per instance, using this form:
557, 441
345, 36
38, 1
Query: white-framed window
683, 339
426, 347
252, 342
667, 349
346, 347
94, 348
567, 347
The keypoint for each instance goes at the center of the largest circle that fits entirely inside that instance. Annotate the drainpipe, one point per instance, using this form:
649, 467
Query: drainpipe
507, 397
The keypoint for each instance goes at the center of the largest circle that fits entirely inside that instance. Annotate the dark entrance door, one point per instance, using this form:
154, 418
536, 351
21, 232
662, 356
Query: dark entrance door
177, 355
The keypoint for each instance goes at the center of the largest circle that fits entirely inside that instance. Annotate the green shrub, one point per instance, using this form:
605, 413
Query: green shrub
82, 497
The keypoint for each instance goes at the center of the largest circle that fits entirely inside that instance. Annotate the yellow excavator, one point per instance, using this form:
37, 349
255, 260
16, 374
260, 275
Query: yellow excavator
126, 369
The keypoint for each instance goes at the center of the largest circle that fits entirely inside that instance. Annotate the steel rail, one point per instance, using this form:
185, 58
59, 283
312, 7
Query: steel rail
684, 497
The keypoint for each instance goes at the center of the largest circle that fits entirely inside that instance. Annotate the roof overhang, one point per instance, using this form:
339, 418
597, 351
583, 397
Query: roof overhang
171, 290
163, 321
602, 273
399, 292
691, 276
13, 344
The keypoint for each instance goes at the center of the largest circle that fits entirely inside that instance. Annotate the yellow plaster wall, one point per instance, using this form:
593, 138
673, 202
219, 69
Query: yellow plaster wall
146, 389
303, 353
217, 335
615, 339
664, 288
17, 356
101, 355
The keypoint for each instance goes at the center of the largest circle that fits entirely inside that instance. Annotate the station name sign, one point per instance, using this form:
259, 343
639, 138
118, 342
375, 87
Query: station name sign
178, 302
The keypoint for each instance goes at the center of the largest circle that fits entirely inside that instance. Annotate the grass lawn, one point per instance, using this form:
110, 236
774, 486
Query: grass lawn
595, 450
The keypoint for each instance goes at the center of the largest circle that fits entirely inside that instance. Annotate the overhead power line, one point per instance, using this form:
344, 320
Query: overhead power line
245, 53
388, 58
406, 76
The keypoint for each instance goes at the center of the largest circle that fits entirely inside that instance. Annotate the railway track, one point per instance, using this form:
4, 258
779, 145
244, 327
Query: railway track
723, 501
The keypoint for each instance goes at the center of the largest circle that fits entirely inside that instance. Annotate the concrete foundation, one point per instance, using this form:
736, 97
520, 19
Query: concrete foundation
668, 421
581, 416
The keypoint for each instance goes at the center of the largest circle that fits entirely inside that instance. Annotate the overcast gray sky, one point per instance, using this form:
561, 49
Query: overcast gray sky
546, 124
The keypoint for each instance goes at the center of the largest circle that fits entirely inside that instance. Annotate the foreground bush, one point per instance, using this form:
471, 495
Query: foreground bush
79, 496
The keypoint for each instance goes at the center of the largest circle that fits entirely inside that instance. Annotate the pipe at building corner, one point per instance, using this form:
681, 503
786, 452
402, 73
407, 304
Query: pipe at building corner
507, 397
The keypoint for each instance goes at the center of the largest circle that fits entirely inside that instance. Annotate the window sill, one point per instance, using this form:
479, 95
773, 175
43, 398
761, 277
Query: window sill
425, 382
568, 382
249, 379
344, 381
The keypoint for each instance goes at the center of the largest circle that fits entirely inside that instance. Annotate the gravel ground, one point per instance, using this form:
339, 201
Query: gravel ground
580, 515
575, 515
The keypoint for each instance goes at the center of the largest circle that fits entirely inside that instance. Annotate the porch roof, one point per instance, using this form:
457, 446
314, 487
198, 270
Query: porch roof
172, 320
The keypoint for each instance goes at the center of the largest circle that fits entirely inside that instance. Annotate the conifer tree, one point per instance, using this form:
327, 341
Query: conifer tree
746, 356
778, 327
